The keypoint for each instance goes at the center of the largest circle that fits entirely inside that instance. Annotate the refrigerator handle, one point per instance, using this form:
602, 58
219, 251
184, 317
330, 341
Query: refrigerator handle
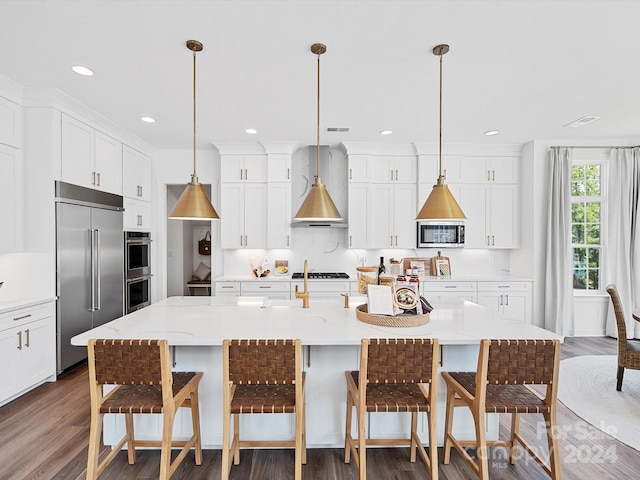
92, 251
98, 275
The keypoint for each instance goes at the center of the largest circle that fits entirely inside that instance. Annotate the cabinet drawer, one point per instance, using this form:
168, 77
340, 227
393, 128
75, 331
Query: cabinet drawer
263, 288
228, 287
20, 316
322, 287
449, 286
503, 286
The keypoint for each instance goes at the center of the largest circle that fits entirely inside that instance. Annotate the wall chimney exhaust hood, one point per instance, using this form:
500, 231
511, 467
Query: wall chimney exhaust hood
326, 171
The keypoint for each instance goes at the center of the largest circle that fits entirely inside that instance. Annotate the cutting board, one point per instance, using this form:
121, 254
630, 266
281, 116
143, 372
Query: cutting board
440, 266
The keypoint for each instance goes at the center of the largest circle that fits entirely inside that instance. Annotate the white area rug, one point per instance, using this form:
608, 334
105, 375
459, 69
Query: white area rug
587, 387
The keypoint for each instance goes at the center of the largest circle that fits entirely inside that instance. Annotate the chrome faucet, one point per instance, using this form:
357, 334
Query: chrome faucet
305, 294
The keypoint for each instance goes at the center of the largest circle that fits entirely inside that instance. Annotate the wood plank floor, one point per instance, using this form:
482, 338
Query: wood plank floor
44, 435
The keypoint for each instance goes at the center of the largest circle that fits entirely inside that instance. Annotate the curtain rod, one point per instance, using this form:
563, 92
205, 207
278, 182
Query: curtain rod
595, 146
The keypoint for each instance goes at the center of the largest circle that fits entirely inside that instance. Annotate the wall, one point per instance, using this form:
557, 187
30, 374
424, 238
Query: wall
27, 275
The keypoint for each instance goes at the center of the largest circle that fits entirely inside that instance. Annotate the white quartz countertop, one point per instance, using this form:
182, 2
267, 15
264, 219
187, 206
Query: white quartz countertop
209, 320
11, 304
353, 278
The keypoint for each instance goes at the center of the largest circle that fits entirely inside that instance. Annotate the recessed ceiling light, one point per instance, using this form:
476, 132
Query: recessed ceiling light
80, 70
488, 133
148, 119
251, 130
385, 132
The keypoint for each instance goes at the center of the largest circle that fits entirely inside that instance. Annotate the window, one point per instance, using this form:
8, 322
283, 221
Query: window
586, 224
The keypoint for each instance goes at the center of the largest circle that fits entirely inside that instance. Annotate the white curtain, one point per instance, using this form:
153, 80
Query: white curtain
558, 271
622, 243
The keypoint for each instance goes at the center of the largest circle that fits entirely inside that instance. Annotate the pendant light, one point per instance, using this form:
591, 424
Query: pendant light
318, 204
194, 204
440, 205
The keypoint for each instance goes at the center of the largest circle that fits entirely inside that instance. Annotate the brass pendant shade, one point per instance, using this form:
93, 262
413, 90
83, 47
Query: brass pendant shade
440, 204
318, 204
194, 204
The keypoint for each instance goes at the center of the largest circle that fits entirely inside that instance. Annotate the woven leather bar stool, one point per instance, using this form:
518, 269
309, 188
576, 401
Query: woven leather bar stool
392, 378
505, 367
628, 349
141, 369
262, 376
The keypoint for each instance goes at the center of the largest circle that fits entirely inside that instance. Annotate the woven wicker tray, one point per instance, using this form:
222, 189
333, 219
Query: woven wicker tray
388, 320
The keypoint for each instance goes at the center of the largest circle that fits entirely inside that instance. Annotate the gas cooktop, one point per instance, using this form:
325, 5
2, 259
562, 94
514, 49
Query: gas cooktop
321, 275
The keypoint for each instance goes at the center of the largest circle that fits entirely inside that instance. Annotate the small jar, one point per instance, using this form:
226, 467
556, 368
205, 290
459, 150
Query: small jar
366, 276
415, 279
388, 281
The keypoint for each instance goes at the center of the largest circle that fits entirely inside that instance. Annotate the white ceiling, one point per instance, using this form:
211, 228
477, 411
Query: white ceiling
525, 68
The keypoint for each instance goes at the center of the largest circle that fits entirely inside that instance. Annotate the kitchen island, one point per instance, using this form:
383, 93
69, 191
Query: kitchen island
196, 326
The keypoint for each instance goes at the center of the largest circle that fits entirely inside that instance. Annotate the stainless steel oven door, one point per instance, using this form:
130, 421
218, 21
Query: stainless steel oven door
138, 293
137, 254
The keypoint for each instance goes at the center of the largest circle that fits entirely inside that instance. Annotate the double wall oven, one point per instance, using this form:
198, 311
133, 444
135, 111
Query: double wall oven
137, 254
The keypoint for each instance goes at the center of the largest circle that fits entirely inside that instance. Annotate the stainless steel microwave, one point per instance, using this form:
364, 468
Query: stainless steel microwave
440, 234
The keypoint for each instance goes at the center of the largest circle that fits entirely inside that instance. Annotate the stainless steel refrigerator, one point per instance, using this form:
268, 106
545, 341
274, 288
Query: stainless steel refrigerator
89, 264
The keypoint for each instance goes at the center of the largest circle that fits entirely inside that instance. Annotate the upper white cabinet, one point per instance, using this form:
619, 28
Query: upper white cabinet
244, 168
243, 209
10, 199
279, 168
494, 170
428, 169
359, 213
489, 199
392, 213
137, 215
10, 123
279, 215
392, 169
90, 158
136, 174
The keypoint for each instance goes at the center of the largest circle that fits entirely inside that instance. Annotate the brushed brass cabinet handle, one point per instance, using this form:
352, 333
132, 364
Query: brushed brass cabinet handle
93, 181
28, 343
19, 340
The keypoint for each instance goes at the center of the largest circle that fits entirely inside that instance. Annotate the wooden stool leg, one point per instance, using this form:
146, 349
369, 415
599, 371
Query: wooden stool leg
414, 430
298, 447
165, 450
347, 433
620, 375
515, 428
94, 445
433, 445
481, 446
131, 442
236, 439
362, 445
304, 431
225, 463
554, 449
448, 423
195, 421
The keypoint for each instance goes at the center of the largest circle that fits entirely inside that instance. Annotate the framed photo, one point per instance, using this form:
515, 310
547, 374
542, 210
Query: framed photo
282, 267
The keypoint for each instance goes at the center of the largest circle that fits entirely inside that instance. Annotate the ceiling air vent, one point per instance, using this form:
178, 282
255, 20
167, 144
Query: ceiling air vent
337, 129
581, 121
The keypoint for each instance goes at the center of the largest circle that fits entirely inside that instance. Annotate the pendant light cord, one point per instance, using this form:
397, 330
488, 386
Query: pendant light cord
440, 120
318, 124
194, 117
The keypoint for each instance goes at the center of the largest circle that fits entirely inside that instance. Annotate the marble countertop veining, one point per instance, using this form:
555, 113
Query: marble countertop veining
206, 321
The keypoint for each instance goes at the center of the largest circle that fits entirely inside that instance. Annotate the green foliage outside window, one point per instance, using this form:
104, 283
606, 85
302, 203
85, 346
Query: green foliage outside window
585, 226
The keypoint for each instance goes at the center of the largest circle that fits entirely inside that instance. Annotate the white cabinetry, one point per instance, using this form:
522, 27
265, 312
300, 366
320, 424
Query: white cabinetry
227, 289
359, 218
10, 199
243, 209
392, 215
509, 299
137, 174
10, 123
137, 215
435, 290
393, 169
491, 204
90, 158
243, 168
243, 201
279, 215
259, 288
27, 347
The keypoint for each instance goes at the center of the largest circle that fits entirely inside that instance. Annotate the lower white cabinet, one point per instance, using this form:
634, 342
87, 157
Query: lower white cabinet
439, 289
227, 289
272, 290
509, 299
27, 348
137, 215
